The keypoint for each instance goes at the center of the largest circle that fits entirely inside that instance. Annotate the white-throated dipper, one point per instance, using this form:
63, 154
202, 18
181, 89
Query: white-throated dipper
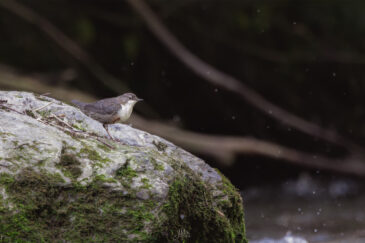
110, 110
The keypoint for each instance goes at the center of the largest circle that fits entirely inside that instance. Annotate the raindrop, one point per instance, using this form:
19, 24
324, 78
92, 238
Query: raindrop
176, 118
315, 230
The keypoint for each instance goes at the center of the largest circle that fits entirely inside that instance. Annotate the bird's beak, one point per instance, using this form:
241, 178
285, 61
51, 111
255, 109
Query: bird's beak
138, 99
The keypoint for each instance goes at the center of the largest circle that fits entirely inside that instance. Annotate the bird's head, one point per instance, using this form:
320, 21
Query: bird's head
128, 99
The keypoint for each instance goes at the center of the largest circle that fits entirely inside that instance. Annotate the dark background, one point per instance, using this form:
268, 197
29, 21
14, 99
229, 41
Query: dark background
305, 56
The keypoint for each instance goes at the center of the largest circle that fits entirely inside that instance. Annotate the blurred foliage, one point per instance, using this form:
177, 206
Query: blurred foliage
306, 56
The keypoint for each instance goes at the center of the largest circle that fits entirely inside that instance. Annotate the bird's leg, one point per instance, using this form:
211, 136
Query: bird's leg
106, 129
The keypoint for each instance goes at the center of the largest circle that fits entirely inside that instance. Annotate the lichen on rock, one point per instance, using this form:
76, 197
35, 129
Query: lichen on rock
62, 180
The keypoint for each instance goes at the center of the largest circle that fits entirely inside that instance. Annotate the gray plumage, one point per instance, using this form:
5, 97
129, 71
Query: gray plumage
109, 110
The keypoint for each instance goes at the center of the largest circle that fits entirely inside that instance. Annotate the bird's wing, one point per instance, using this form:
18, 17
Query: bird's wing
78, 103
103, 107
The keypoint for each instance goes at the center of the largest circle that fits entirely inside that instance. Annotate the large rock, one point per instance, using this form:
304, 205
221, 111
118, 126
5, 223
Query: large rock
63, 180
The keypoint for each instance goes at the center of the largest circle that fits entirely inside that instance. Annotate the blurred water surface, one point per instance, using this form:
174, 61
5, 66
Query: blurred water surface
306, 210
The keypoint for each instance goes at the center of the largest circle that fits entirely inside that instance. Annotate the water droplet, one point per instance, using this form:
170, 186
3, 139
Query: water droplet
315, 230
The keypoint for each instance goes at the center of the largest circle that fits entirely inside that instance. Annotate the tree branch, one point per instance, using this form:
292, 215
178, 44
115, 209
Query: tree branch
223, 148
65, 43
217, 77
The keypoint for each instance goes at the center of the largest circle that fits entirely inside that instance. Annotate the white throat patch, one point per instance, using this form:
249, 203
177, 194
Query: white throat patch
126, 110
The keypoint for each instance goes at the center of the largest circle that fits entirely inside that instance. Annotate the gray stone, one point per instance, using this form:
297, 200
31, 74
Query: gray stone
61, 174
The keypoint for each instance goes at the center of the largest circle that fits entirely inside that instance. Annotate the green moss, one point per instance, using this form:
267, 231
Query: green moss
78, 127
156, 165
103, 178
125, 175
76, 214
30, 113
233, 206
146, 184
6, 179
93, 155
70, 165
25, 146
193, 218
30, 193
42, 98
44, 113
104, 147
6, 134
160, 145
126, 172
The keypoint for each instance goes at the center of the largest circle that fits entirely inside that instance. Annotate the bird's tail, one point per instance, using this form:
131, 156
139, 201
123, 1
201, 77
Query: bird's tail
78, 103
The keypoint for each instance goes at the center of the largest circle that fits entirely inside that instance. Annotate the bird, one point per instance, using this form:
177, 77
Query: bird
109, 110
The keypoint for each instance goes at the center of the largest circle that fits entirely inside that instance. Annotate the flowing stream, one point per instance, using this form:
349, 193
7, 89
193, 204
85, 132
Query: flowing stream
306, 210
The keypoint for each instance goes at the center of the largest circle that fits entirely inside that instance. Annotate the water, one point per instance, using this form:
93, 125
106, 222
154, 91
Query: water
306, 210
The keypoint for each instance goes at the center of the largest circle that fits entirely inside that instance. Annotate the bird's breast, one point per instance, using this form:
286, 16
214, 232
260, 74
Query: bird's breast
124, 113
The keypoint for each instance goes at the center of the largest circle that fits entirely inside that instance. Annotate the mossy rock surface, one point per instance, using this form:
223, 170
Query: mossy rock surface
60, 183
